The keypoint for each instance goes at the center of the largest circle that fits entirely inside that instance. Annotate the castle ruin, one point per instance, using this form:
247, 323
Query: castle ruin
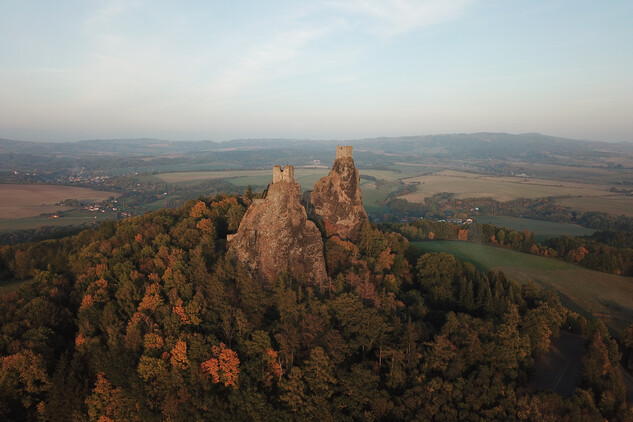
275, 235
344, 151
337, 199
283, 174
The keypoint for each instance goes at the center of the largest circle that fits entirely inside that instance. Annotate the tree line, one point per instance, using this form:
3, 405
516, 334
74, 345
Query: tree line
606, 251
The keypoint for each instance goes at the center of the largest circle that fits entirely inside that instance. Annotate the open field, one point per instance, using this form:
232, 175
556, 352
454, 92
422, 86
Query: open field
541, 229
612, 204
23, 201
167, 168
588, 174
372, 195
197, 176
389, 175
588, 292
471, 185
68, 218
306, 177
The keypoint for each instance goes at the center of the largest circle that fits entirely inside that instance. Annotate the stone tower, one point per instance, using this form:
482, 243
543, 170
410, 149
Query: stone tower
337, 200
344, 151
283, 174
275, 235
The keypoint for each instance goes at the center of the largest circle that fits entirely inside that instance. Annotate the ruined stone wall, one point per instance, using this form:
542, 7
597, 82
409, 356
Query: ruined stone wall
344, 151
286, 174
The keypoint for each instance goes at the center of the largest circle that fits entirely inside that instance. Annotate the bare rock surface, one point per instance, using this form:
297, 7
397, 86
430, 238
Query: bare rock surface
275, 235
337, 198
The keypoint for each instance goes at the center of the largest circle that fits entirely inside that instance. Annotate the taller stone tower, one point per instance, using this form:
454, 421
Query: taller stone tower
337, 199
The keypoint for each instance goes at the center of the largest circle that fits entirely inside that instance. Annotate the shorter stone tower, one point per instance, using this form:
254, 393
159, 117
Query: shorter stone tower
275, 235
283, 174
344, 151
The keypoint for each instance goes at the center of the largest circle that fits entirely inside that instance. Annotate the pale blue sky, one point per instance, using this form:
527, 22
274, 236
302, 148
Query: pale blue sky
218, 70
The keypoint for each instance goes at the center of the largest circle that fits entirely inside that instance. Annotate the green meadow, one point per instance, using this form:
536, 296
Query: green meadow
541, 229
588, 292
68, 218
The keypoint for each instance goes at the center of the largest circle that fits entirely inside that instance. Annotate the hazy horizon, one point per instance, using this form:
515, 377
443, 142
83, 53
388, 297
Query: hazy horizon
114, 69
277, 138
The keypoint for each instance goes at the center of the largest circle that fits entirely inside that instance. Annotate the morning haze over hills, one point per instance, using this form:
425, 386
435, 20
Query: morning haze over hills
419, 210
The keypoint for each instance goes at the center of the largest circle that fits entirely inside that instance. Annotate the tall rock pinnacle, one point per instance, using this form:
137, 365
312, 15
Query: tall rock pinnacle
337, 199
275, 235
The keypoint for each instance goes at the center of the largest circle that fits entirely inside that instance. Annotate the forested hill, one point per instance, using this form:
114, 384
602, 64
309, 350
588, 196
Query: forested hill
150, 319
135, 154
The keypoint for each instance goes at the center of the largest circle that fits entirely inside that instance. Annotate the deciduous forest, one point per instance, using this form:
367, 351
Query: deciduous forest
149, 318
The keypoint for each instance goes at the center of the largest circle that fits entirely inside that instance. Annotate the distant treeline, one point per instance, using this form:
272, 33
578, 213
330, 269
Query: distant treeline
605, 251
442, 205
41, 233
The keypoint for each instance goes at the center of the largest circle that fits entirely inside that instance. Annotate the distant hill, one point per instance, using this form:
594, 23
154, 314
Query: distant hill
254, 153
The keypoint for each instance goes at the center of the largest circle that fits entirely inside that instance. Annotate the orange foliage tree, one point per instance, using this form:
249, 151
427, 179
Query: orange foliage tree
179, 355
199, 210
223, 367
578, 254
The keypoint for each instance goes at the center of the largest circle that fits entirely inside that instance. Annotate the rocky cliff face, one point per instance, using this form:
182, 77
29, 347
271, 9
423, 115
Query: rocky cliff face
337, 199
275, 236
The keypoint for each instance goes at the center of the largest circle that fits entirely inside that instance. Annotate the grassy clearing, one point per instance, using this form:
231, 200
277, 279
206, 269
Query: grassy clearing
597, 175
242, 178
541, 229
612, 204
391, 175
70, 218
371, 195
198, 176
308, 180
471, 185
486, 257
246, 181
23, 201
588, 292
183, 167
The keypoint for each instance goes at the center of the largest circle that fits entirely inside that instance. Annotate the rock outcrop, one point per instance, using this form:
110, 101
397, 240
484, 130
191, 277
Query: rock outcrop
337, 199
275, 235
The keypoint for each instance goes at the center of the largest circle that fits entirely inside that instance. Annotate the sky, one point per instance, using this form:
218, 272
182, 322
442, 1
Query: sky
220, 70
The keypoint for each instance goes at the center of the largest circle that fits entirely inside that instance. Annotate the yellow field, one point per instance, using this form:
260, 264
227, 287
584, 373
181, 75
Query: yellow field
470, 185
23, 201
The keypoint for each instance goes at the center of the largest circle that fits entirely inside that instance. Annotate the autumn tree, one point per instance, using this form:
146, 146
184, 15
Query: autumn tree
23, 385
223, 367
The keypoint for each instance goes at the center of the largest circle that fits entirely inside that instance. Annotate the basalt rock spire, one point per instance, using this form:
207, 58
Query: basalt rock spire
276, 237
337, 199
